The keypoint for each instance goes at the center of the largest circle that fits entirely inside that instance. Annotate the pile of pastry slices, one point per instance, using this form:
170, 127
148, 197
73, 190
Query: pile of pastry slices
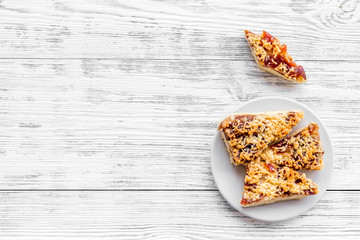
272, 157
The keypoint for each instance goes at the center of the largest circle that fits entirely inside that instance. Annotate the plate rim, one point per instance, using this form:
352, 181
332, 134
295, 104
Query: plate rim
330, 163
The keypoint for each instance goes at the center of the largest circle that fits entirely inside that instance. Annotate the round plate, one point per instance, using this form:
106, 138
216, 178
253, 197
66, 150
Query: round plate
230, 179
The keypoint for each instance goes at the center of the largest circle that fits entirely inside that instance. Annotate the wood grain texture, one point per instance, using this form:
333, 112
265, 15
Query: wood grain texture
118, 101
313, 30
135, 124
164, 215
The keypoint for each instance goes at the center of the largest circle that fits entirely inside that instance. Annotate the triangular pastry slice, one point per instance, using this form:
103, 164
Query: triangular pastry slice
267, 183
246, 135
300, 150
272, 57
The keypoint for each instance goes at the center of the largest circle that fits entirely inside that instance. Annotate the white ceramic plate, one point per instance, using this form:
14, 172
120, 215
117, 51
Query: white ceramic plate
230, 179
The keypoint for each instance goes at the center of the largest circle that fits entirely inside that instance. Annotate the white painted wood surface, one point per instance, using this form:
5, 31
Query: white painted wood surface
164, 215
108, 109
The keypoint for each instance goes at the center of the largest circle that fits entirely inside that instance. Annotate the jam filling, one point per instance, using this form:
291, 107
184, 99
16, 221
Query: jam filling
313, 128
245, 201
281, 146
309, 192
271, 167
273, 61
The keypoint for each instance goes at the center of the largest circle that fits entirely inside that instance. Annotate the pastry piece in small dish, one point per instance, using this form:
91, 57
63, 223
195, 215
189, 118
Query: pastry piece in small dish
247, 134
267, 183
273, 57
301, 150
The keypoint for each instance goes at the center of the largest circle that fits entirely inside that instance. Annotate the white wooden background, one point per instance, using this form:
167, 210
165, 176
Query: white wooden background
108, 109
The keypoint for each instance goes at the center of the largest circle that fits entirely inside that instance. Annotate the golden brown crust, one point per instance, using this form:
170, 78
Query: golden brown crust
272, 56
246, 135
300, 150
267, 183
273, 200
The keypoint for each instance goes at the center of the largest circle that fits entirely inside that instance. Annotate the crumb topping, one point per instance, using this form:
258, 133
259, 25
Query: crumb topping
301, 150
267, 181
270, 53
248, 134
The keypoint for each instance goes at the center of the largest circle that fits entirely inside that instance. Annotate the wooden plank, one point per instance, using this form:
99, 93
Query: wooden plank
121, 124
213, 29
180, 215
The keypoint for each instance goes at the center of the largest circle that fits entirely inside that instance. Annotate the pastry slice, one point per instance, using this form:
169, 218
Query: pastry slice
246, 135
272, 57
267, 183
300, 150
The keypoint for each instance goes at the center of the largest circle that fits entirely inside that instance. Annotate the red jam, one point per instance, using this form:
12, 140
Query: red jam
283, 57
297, 181
312, 128
309, 192
250, 185
267, 36
248, 201
271, 167
245, 201
300, 71
281, 146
